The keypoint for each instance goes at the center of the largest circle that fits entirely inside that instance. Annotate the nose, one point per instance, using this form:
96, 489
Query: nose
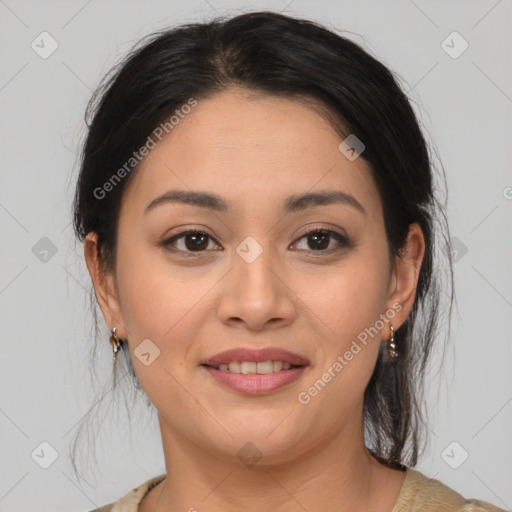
256, 294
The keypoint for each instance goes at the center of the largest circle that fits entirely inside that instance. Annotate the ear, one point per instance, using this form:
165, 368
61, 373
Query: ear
404, 276
104, 287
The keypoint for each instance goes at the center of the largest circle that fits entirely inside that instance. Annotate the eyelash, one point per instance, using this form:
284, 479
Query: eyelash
342, 240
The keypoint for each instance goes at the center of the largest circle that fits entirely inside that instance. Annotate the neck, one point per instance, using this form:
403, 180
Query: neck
340, 474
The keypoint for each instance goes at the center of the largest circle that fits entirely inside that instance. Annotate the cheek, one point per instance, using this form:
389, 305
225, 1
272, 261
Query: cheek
159, 301
347, 299
347, 305
159, 304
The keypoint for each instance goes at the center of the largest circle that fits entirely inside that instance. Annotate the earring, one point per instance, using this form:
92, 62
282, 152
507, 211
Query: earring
393, 354
116, 342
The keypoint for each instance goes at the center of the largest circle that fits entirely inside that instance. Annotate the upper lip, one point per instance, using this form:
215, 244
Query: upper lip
248, 354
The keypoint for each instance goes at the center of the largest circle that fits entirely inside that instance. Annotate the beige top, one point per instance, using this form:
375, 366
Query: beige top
418, 494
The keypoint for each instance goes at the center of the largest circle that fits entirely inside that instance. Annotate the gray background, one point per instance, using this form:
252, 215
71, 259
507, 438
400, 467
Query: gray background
464, 103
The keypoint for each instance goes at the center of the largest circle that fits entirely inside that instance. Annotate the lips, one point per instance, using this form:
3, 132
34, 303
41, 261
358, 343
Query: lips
256, 372
261, 355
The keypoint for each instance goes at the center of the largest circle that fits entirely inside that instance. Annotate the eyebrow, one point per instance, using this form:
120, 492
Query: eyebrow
293, 203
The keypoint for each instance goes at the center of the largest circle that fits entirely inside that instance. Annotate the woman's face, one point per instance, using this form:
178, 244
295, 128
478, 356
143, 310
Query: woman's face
254, 279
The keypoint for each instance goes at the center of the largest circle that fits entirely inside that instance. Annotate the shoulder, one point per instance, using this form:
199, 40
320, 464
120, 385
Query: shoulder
420, 493
130, 501
104, 508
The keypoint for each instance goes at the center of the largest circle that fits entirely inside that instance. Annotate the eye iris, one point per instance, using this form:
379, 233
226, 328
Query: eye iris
323, 237
197, 244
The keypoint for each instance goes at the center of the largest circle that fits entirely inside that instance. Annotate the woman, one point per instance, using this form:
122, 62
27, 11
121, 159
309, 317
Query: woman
258, 214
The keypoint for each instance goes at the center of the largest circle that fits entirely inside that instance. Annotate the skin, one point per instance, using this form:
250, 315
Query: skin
256, 150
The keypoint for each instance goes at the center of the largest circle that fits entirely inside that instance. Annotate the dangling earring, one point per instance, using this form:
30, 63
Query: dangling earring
393, 354
117, 344
115, 340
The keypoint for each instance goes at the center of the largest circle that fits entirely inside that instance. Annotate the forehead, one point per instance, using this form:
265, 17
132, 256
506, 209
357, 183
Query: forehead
253, 149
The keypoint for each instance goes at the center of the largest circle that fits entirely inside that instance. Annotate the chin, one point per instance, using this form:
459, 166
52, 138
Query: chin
267, 442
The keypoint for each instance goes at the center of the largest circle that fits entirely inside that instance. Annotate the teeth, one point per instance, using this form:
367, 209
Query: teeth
251, 367
247, 367
265, 367
234, 367
278, 366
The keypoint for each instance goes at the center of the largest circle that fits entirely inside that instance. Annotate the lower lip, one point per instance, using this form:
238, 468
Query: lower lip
256, 384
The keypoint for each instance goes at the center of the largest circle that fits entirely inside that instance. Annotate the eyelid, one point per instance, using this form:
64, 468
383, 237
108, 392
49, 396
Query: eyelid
330, 228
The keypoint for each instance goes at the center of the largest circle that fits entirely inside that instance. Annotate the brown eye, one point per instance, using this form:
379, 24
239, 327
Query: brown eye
319, 240
196, 241
191, 241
